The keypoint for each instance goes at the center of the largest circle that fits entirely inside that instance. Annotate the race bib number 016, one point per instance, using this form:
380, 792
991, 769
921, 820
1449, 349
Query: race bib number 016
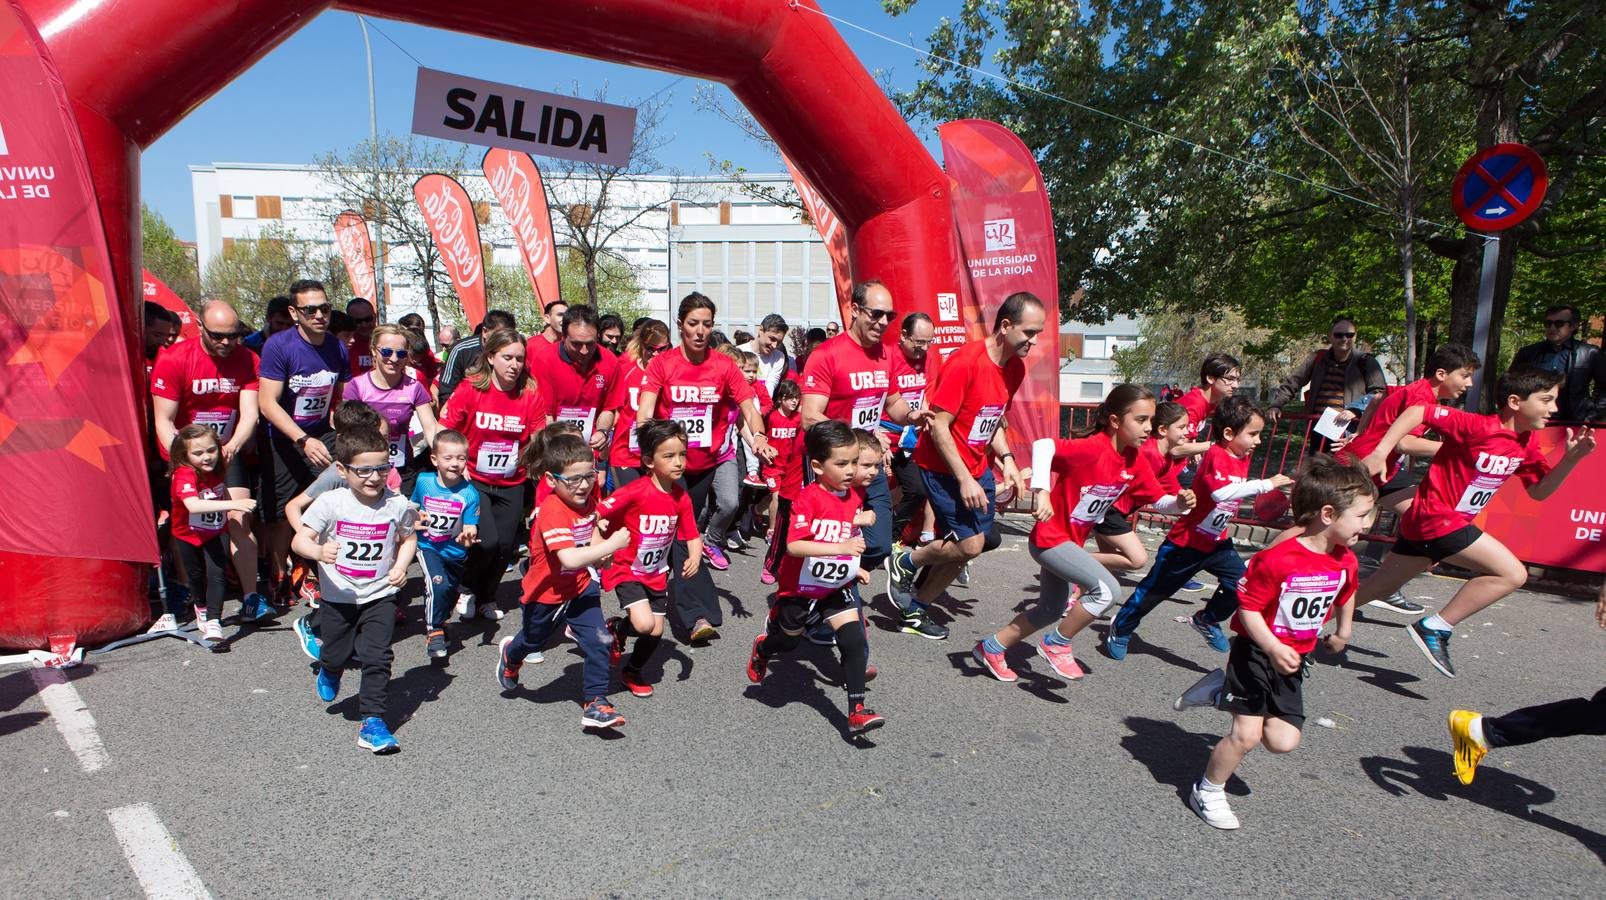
986, 423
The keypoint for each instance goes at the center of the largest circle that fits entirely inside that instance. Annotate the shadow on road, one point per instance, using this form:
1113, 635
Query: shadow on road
1431, 774
1174, 756
1387, 679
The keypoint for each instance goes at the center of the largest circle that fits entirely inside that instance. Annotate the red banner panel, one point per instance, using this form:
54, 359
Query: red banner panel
357, 249
450, 216
516, 182
1007, 234
835, 236
156, 291
1569, 529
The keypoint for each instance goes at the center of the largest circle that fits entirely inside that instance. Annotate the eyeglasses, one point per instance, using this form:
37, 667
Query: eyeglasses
389, 352
879, 315
918, 344
659, 349
1230, 379
1558, 323
581, 478
222, 335
1343, 335
317, 309
368, 471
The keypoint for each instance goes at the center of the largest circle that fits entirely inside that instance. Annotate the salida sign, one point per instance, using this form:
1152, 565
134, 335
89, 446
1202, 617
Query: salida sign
459, 108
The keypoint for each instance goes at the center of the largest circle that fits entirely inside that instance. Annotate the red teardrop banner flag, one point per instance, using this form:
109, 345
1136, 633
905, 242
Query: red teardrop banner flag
450, 216
156, 291
835, 236
351, 233
516, 182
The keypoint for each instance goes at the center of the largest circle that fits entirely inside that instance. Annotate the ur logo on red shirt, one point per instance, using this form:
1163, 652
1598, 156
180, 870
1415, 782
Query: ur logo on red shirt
656, 524
832, 531
691, 393
865, 381
214, 386
495, 422
1498, 465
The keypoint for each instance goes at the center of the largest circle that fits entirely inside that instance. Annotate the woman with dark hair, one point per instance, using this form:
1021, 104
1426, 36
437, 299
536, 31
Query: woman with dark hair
698, 389
624, 454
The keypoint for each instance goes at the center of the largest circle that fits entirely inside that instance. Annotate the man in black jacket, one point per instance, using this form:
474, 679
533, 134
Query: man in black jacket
1583, 397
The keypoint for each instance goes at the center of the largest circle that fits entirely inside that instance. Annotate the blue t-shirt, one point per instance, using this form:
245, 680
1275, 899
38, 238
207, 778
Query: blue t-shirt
445, 510
310, 375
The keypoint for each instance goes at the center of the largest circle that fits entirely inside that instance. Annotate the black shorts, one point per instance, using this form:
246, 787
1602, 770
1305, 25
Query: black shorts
1115, 524
237, 475
285, 473
632, 592
794, 613
1255, 688
1440, 548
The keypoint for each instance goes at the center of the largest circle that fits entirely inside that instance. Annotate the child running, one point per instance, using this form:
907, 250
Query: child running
1290, 591
450, 509
1478, 454
1199, 540
201, 508
821, 564
559, 585
783, 475
646, 517
1096, 471
363, 537
1120, 550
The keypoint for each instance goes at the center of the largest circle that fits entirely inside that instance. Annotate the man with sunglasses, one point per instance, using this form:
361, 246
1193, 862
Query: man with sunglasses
1583, 394
1340, 376
576, 377
213, 382
361, 352
301, 373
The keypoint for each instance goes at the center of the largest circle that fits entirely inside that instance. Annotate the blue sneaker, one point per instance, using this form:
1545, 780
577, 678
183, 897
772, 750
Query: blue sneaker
256, 608
1210, 631
1434, 644
1115, 645
310, 644
1194, 585
328, 685
901, 579
376, 737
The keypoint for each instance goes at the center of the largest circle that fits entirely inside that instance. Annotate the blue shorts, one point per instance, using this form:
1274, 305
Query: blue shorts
954, 519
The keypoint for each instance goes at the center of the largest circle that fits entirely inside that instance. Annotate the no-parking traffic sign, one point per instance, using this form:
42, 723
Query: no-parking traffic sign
1499, 187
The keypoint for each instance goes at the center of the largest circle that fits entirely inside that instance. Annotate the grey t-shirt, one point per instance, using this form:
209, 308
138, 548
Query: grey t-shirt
368, 538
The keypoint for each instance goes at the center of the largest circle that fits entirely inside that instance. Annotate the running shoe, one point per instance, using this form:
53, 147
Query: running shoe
212, 630
284, 593
536, 658
863, 719
702, 631
200, 615
918, 622
766, 577
994, 663
753, 481
310, 593
715, 556
490, 611
1212, 806
466, 607
507, 674
164, 622
901, 579
963, 578
376, 736
1468, 752
870, 672
255, 608
1204, 692
1397, 603
328, 684
599, 713
616, 642
1194, 585
1115, 645
310, 644
1210, 631
757, 665
735, 544
436, 646
822, 635
1061, 659
633, 683
1434, 644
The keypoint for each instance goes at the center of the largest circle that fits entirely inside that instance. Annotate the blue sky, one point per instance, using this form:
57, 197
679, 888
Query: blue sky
310, 95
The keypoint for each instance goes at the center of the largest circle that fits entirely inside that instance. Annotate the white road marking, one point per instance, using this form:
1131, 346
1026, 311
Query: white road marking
72, 718
158, 863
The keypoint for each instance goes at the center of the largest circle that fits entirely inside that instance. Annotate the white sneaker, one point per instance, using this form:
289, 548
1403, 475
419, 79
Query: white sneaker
212, 630
165, 622
489, 611
465, 606
1205, 692
1212, 807
963, 578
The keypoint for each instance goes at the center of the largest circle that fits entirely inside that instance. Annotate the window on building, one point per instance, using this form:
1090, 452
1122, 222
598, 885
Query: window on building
1094, 348
245, 207
713, 260
738, 259
1092, 390
269, 207
225, 206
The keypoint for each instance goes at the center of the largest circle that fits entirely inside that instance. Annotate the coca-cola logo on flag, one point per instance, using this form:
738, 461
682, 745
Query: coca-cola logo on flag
351, 232
516, 182
450, 220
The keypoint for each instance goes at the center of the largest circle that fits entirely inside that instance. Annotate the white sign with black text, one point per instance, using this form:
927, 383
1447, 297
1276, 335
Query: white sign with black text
459, 108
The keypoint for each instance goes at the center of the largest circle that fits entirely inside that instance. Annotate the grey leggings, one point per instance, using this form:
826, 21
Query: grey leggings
1063, 566
726, 500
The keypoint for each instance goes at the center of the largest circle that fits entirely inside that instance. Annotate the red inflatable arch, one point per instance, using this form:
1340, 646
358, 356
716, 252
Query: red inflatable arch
133, 68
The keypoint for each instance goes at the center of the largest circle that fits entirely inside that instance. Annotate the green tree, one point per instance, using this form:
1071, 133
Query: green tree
508, 288
248, 273
167, 259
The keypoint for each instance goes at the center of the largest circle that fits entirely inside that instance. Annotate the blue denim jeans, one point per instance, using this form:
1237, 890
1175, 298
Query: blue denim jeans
584, 615
1173, 565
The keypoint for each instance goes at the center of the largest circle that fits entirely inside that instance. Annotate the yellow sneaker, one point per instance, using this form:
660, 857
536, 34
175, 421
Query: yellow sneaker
1468, 752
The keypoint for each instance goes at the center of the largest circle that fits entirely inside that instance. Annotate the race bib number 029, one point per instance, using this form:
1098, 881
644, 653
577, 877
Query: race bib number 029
823, 574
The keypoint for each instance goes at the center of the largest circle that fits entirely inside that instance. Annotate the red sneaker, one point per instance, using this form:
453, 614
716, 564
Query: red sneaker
1061, 659
616, 647
756, 663
993, 662
633, 683
864, 719
870, 673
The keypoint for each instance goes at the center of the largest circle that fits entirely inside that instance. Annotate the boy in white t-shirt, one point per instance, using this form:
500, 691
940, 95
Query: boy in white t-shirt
363, 537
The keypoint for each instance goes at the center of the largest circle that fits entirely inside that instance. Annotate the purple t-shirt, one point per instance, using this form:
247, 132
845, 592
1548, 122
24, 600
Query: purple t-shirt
395, 405
311, 376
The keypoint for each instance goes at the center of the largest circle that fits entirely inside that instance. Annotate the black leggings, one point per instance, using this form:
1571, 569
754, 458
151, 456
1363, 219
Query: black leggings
205, 565
912, 492
1564, 718
784, 630
694, 597
501, 515
783, 515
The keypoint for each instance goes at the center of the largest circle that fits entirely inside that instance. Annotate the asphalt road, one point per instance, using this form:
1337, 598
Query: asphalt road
715, 788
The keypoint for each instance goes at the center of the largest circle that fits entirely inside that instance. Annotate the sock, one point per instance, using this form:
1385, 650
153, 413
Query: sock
624, 628
1476, 731
1055, 639
646, 644
1205, 784
915, 607
855, 701
855, 654
1438, 624
991, 644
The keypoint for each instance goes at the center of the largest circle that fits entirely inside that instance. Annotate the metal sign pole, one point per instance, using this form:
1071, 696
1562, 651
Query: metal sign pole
1480, 328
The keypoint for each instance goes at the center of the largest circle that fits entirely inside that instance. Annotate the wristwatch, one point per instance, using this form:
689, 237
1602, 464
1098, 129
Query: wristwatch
301, 442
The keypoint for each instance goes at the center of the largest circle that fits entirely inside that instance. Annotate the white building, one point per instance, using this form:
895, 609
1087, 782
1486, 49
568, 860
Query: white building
750, 256
1088, 371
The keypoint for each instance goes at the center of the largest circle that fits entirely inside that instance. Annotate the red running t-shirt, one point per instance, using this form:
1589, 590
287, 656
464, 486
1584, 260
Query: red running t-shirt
207, 389
819, 514
573, 395
655, 521
1093, 476
361, 355
558, 526
1388, 409
910, 382
1199, 410
624, 397
977, 392
853, 379
1475, 460
1166, 469
498, 425
1204, 525
701, 397
197, 528
1295, 589
784, 474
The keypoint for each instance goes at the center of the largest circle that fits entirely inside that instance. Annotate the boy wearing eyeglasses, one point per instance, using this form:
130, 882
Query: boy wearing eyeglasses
363, 537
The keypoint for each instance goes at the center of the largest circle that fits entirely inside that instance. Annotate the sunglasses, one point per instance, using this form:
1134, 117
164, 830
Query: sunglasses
1343, 335
920, 344
659, 349
581, 478
368, 471
222, 335
391, 352
318, 309
1558, 323
880, 315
